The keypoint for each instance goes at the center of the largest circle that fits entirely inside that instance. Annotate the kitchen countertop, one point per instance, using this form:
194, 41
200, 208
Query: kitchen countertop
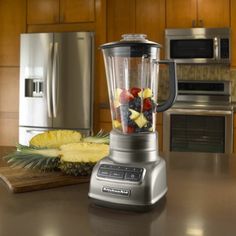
201, 201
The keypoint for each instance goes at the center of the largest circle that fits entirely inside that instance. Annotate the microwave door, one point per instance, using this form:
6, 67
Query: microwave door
35, 79
198, 50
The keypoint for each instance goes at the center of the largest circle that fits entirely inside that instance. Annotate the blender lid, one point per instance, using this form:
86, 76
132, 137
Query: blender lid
130, 40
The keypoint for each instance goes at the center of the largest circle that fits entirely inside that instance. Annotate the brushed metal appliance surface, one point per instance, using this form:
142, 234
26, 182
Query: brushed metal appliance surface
215, 100
133, 176
56, 82
199, 33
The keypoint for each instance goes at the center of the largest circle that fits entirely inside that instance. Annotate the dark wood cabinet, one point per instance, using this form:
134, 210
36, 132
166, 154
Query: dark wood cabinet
60, 11
197, 13
12, 23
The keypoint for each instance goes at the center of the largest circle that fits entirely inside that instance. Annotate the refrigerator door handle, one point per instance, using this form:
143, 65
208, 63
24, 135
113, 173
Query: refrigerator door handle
49, 73
55, 77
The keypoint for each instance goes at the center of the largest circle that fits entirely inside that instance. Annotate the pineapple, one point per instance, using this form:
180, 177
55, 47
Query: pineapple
79, 158
55, 138
74, 158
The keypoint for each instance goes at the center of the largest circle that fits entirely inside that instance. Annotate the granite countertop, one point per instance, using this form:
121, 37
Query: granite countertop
201, 201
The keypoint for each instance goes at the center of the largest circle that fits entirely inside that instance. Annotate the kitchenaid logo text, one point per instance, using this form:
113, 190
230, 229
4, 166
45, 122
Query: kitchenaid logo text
122, 192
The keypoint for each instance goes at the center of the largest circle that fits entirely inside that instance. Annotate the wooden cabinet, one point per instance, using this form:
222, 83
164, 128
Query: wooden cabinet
150, 19
233, 33
197, 13
12, 23
120, 18
136, 16
234, 134
43, 11
60, 11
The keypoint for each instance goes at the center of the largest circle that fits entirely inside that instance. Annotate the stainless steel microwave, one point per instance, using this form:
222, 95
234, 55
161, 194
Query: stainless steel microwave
198, 45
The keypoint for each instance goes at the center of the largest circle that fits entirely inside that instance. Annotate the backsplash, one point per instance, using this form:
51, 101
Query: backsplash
198, 72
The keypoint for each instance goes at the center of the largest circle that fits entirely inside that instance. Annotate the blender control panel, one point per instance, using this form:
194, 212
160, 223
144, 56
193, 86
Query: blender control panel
107, 171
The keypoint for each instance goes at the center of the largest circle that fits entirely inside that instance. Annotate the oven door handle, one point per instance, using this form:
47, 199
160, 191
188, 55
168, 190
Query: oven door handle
199, 112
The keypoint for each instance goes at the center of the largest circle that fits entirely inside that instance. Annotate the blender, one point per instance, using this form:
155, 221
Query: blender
133, 176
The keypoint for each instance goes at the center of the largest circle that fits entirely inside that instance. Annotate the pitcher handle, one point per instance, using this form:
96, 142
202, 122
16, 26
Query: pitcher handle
173, 86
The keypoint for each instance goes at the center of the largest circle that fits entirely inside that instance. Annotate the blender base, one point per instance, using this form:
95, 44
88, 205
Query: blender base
134, 186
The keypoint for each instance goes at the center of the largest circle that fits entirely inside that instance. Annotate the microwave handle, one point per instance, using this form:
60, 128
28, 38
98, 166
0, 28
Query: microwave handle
216, 48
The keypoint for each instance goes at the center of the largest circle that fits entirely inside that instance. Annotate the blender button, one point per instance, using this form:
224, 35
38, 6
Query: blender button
102, 172
117, 174
132, 176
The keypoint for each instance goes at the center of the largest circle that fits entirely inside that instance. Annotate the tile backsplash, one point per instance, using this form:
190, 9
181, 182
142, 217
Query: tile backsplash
198, 72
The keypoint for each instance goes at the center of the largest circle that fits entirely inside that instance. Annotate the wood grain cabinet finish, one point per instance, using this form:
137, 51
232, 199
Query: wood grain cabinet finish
233, 33
136, 16
197, 13
234, 134
120, 18
12, 23
42, 11
60, 11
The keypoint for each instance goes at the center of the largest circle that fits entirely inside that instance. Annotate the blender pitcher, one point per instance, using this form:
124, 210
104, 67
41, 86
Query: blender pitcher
132, 70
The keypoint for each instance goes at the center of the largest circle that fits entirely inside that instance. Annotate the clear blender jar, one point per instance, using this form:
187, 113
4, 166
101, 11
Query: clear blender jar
132, 71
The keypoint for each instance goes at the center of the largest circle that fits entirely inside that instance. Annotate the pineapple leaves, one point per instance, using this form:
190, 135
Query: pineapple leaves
100, 137
71, 155
32, 161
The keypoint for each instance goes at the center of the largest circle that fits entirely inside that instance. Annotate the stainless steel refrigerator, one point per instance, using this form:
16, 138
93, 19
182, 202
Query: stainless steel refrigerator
56, 83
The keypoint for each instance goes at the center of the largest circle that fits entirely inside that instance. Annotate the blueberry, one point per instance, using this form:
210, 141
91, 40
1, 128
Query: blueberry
149, 125
146, 114
131, 123
132, 104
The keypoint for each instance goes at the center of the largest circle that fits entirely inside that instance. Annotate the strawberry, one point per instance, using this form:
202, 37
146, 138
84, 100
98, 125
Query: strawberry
147, 104
130, 129
134, 91
125, 96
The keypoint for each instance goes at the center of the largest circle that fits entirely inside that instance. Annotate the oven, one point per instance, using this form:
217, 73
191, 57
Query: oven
201, 120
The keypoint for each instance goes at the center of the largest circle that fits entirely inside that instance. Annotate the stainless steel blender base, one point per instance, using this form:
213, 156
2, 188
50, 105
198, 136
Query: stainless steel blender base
133, 176
137, 186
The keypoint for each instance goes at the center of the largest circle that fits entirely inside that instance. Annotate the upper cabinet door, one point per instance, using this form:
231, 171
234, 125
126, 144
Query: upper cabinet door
214, 13
197, 13
12, 23
150, 19
60, 11
233, 43
181, 13
120, 18
72, 11
42, 12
